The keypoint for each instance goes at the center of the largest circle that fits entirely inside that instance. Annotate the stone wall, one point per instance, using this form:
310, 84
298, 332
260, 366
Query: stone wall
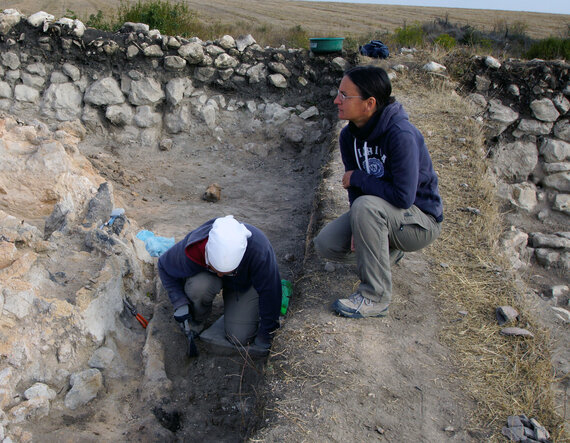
524, 106
140, 86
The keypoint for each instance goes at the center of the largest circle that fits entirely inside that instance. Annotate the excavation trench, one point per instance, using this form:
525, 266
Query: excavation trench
257, 122
217, 396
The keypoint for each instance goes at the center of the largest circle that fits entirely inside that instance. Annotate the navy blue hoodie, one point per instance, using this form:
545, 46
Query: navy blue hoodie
258, 268
390, 160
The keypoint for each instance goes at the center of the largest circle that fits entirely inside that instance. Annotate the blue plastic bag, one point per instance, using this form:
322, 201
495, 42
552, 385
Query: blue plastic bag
375, 49
155, 245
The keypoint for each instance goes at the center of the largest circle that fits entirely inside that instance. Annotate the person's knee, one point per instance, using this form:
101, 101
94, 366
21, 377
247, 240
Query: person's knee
203, 287
366, 206
320, 247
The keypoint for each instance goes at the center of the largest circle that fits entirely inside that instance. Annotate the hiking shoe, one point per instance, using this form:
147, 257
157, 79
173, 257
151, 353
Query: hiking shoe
357, 306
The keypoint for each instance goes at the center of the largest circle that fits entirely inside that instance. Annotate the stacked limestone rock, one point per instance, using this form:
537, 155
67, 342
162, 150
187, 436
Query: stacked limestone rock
525, 107
138, 85
62, 282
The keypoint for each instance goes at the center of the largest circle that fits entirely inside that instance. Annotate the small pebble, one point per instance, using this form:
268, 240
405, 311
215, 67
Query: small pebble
517, 331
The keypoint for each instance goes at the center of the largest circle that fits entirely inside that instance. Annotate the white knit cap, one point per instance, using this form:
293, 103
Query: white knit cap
227, 243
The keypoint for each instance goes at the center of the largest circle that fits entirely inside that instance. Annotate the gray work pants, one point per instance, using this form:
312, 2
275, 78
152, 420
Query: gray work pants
241, 309
380, 232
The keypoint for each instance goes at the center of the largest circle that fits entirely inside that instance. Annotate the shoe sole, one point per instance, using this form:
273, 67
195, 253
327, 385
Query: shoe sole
355, 314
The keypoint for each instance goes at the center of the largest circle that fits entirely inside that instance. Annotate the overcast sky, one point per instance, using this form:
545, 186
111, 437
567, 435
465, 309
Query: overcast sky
552, 6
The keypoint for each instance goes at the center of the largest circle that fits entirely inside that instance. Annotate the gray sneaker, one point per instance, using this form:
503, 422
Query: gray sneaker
357, 306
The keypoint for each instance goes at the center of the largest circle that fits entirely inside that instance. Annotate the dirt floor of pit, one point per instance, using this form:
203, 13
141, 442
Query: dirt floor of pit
213, 397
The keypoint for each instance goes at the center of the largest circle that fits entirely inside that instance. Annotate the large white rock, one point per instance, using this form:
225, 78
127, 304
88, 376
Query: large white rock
5, 90
492, 62
554, 150
224, 61
434, 67
62, 101
278, 81
559, 181
85, 386
226, 42
500, 117
39, 390
244, 41
175, 90
119, 115
515, 161
146, 91
562, 130
562, 203
10, 60
8, 19
39, 18
544, 110
193, 52
104, 92
257, 73
27, 94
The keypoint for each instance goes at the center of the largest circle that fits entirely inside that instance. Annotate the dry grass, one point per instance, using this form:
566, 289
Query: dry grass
505, 375
322, 19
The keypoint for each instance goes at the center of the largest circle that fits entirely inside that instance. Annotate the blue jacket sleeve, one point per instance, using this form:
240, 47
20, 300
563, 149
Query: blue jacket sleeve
173, 268
348, 160
267, 282
400, 188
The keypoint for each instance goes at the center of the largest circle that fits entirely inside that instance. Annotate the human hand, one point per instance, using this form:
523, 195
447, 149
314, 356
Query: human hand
346, 179
182, 314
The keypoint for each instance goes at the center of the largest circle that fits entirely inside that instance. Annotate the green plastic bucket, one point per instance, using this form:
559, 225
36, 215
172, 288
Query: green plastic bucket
324, 45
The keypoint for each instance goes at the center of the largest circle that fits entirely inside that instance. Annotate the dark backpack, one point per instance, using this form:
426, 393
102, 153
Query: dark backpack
375, 49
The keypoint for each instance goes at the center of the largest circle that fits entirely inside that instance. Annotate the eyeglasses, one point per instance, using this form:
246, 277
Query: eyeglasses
343, 96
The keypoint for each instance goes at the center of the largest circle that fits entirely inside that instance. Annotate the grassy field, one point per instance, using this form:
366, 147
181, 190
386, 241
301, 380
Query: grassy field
320, 19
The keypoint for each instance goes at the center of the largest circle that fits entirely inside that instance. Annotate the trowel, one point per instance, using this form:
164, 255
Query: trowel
117, 212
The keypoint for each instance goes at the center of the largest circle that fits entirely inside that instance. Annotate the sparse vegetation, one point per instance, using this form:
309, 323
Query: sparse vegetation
98, 21
168, 18
446, 41
410, 35
550, 48
506, 39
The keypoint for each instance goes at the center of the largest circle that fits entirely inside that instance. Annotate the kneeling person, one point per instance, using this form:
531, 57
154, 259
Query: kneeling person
237, 258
